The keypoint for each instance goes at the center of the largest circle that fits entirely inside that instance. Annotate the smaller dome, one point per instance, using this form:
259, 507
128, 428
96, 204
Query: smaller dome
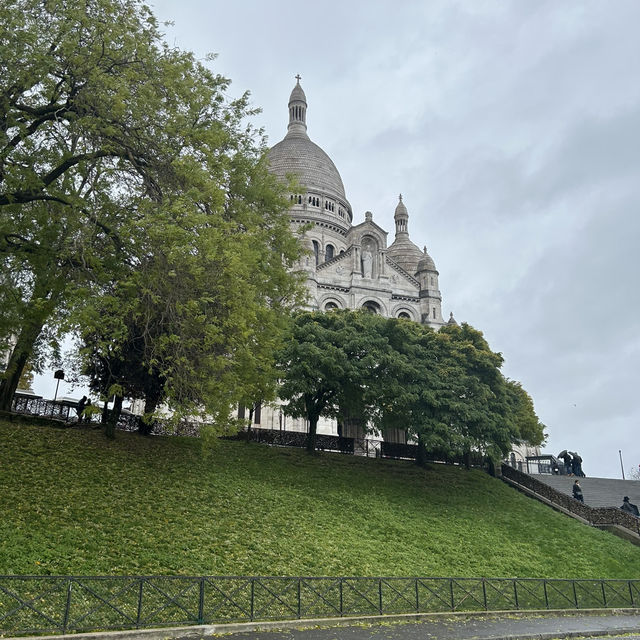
451, 319
401, 210
402, 251
426, 263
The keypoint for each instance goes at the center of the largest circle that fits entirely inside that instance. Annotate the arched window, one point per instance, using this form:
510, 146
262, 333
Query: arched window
330, 306
371, 306
404, 314
316, 251
329, 252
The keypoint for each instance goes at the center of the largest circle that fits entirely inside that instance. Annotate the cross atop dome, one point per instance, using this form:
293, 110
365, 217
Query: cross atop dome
298, 77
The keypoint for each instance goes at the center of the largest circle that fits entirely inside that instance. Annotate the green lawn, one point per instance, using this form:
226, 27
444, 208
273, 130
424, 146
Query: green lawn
75, 503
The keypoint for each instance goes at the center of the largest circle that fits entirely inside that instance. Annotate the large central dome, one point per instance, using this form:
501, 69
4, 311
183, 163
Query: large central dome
312, 166
297, 155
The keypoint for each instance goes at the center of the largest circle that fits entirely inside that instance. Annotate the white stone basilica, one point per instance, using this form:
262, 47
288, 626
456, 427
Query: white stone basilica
348, 266
351, 267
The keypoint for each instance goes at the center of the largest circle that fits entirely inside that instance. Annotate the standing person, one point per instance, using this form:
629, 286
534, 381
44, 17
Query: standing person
82, 403
577, 465
577, 491
87, 415
566, 457
629, 507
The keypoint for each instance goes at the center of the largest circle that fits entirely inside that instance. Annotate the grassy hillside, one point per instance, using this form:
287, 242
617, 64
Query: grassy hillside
74, 503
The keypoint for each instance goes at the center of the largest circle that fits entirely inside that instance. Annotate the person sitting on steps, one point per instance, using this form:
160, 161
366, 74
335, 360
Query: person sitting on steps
629, 507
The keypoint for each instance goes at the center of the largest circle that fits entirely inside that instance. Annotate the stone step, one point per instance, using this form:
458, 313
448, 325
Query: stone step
597, 492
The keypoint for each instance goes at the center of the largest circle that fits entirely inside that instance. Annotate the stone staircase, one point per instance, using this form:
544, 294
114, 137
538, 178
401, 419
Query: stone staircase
597, 492
602, 496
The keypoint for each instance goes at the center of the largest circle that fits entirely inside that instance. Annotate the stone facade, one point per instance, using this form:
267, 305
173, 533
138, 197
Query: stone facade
348, 266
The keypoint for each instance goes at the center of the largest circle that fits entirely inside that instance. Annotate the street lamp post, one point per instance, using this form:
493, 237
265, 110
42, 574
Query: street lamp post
621, 465
58, 375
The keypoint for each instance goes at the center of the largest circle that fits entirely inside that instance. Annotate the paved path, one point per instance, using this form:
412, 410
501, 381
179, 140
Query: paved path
469, 628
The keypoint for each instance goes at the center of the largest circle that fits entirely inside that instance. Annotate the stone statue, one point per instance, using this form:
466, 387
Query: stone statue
367, 264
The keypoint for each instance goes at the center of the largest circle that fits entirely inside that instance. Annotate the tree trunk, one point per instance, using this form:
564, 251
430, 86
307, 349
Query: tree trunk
19, 356
311, 437
43, 301
114, 416
421, 453
145, 426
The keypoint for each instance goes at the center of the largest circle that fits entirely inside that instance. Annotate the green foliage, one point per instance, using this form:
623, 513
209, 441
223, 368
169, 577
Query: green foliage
135, 207
444, 388
329, 365
75, 503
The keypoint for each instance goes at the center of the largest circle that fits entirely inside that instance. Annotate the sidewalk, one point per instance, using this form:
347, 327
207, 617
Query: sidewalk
544, 625
505, 627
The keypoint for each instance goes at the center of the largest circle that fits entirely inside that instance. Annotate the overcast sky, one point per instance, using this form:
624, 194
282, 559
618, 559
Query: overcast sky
512, 130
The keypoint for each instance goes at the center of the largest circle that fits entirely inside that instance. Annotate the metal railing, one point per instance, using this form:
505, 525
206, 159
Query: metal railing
62, 604
367, 447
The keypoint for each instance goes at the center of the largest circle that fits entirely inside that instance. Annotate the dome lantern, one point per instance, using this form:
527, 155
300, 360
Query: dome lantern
403, 252
297, 111
401, 216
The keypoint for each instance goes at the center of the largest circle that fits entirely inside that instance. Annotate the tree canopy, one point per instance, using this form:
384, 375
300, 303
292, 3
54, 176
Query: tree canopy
443, 388
328, 365
133, 193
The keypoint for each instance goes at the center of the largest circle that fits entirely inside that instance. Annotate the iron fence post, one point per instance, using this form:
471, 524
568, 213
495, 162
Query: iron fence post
139, 613
341, 602
546, 595
575, 593
253, 589
380, 595
299, 599
515, 594
67, 607
417, 598
453, 602
201, 602
631, 594
604, 593
484, 593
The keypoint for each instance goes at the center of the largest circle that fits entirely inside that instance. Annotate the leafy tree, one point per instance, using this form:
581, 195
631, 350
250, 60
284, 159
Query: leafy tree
476, 408
444, 388
128, 182
526, 427
329, 365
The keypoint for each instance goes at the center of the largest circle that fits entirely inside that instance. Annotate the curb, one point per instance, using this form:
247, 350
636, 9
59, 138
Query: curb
197, 632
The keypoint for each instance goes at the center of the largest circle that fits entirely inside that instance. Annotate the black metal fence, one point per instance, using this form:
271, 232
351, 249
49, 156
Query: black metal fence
65, 411
52, 604
367, 447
